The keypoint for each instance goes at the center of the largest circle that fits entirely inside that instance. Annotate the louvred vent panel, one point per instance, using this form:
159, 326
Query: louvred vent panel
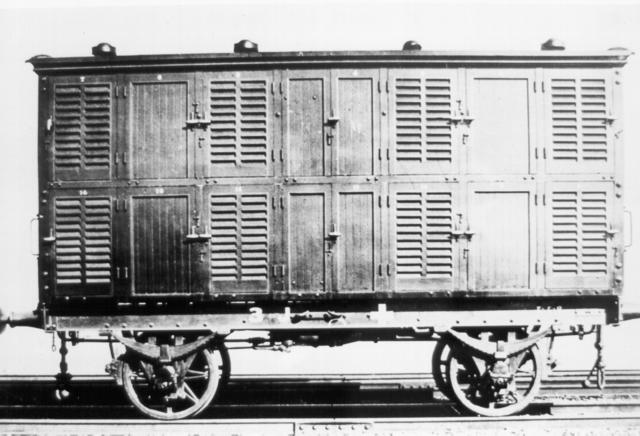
239, 237
579, 239
423, 120
83, 247
579, 120
82, 131
239, 136
424, 222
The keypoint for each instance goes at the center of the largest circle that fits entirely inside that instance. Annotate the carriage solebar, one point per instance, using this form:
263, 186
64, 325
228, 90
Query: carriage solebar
268, 200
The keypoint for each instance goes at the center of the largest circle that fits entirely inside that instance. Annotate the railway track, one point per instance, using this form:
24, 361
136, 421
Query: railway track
310, 396
575, 426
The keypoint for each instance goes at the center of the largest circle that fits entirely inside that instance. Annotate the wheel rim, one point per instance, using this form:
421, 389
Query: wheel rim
472, 389
439, 362
191, 397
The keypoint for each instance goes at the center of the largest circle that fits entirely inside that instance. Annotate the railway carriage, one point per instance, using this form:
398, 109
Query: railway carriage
320, 198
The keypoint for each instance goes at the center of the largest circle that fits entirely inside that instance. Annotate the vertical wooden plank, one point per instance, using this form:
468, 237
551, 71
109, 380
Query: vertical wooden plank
159, 140
501, 134
161, 261
501, 247
356, 256
356, 106
307, 221
305, 109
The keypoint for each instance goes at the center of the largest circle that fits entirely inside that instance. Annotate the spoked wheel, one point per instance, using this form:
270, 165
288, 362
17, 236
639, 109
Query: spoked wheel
487, 388
439, 360
174, 391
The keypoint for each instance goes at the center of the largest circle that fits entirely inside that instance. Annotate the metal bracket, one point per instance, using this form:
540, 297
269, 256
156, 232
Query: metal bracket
198, 123
195, 237
332, 121
328, 317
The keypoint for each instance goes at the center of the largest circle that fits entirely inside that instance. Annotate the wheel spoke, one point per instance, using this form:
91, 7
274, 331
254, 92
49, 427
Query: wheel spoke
190, 394
192, 374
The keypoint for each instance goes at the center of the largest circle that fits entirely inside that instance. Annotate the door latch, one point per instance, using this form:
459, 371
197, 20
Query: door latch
194, 237
196, 120
334, 233
329, 139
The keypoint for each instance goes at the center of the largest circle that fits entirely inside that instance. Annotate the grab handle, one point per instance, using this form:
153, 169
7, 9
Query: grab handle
35, 249
630, 215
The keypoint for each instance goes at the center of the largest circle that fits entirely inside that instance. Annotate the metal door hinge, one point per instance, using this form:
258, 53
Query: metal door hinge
120, 157
122, 273
121, 205
123, 93
277, 270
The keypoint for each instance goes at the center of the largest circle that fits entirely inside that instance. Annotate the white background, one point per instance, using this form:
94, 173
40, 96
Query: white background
71, 28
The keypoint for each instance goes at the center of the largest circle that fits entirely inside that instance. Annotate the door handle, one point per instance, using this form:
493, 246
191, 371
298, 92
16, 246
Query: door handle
334, 233
34, 248
329, 139
195, 237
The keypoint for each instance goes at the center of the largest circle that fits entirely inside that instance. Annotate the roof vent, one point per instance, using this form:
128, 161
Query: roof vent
245, 46
411, 46
552, 44
104, 49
